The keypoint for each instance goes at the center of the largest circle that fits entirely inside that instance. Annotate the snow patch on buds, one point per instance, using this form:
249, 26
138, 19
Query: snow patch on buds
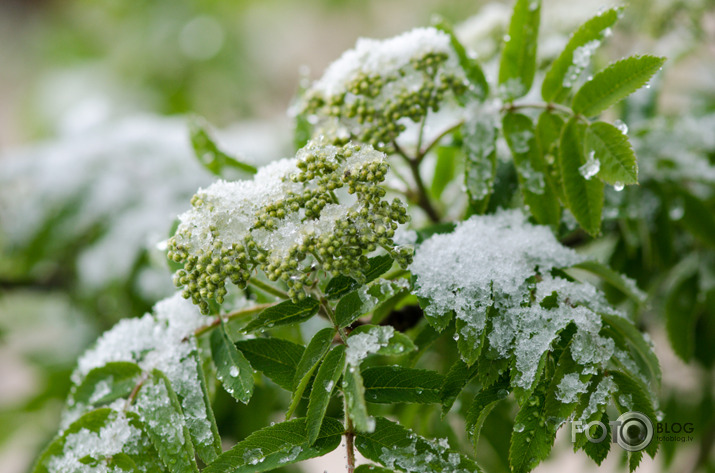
323, 210
372, 92
386, 57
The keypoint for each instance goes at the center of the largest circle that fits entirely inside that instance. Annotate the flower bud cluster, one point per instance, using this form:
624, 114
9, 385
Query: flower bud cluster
299, 219
374, 90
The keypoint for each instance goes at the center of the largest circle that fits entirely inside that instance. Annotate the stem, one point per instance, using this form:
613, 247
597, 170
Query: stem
422, 199
231, 316
550, 106
135, 391
267, 288
422, 153
420, 135
349, 440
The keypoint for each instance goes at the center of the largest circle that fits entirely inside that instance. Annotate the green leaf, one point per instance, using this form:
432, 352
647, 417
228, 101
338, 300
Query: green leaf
479, 87
698, 218
548, 133
425, 337
518, 59
596, 406
483, 404
93, 421
681, 316
454, 382
354, 392
210, 155
491, 369
470, 342
614, 152
445, 168
640, 348
163, 419
352, 306
325, 381
480, 154
107, 383
341, 285
285, 313
371, 469
626, 286
615, 83
276, 446
390, 384
232, 368
531, 441
564, 71
398, 448
202, 422
520, 135
634, 395
314, 352
278, 359
558, 410
598, 451
143, 453
584, 197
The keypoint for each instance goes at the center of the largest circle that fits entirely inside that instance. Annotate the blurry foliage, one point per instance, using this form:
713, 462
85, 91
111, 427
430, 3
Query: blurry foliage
661, 233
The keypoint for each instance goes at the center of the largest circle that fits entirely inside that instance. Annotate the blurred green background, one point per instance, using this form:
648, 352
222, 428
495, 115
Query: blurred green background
95, 162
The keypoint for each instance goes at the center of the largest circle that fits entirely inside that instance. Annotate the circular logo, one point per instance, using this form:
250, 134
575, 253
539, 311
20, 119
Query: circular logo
635, 431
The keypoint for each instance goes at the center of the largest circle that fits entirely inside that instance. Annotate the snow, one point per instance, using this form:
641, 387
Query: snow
598, 398
231, 207
591, 167
384, 58
360, 345
157, 340
570, 388
115, 436
485, 263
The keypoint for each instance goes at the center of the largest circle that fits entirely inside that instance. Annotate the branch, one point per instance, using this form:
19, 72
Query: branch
422, 199
274, 291
228, 317
422, 153
550, 106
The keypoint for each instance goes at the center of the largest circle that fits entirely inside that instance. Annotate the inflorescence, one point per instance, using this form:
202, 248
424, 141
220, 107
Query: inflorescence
323, 211
374, 90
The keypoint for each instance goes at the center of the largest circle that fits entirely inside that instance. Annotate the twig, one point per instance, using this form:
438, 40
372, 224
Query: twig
550, 106
257, 283
231, 316
422, 199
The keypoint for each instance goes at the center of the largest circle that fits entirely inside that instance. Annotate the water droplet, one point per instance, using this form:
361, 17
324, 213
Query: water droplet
618, 186
622, 127
507, 38
518, 427
233, 371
